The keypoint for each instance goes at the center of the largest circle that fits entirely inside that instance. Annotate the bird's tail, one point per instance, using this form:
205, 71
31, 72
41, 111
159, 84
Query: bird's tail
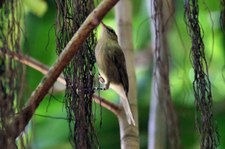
128, 112
120, 91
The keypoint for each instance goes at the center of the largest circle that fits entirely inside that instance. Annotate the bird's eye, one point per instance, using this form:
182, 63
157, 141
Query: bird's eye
112, 31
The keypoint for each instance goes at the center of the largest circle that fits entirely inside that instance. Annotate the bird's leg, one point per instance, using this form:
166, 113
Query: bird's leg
102, 88
101, 79
106, 86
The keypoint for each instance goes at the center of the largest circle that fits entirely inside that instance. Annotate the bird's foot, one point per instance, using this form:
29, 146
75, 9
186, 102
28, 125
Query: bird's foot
100, 88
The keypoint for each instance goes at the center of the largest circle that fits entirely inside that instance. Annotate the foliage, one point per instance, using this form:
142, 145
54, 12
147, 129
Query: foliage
46, 133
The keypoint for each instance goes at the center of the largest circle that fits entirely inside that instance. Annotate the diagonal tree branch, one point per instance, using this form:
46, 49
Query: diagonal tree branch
17, 125
33, 63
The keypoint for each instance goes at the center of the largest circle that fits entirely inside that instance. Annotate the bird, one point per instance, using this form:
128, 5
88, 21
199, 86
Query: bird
112, 69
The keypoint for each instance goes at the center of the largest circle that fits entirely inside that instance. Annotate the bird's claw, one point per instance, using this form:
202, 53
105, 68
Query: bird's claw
100, 88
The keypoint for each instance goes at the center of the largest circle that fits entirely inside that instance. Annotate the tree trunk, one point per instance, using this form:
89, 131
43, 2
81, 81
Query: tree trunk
161, 101
129, 135
156, 124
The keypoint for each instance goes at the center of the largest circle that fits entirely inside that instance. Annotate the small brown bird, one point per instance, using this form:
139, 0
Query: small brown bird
112, 67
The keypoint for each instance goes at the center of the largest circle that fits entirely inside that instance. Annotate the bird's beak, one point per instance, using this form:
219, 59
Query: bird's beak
103, 25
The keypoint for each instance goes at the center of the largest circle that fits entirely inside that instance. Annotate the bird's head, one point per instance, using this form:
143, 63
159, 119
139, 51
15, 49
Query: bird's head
108, 32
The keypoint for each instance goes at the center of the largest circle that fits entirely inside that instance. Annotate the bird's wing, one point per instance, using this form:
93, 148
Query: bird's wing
118, 59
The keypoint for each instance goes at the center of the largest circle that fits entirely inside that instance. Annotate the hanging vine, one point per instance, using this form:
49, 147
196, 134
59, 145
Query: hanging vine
10, 71
201, 84
79, 74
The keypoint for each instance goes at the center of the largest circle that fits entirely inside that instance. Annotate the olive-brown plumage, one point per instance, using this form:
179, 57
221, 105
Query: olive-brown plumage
112, 67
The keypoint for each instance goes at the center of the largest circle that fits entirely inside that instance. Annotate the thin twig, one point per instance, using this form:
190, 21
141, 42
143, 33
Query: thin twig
31, 62
18, 124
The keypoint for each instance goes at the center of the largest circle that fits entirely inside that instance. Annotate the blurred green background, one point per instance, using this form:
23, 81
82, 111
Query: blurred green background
49, 128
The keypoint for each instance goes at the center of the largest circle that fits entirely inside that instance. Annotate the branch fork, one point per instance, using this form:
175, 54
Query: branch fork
19, 122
